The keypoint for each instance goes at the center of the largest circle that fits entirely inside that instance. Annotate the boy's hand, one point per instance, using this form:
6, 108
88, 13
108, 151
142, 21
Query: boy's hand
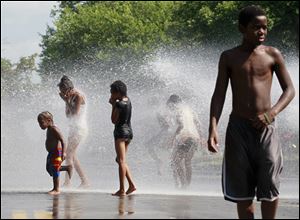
212, 143
262, 120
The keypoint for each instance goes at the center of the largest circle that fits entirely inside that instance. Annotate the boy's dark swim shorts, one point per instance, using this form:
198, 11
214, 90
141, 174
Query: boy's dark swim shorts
252, 161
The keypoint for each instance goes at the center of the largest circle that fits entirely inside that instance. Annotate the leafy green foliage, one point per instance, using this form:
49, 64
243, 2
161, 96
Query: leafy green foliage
88, 32
16, 78
107, 32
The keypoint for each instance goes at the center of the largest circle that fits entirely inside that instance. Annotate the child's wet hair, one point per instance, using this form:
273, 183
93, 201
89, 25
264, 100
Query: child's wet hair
248, 13
119, 86
65, 82
46, 115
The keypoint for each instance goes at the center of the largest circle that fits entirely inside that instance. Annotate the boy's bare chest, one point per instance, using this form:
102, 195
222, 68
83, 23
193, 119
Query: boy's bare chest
255, 65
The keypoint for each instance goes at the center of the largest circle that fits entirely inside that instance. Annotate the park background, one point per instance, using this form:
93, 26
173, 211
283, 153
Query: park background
157, 49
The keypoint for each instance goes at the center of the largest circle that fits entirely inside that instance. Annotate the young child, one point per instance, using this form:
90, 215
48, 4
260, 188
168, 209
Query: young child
157, 144
253, 157
120, 117
55, 146
185, 141
76, 114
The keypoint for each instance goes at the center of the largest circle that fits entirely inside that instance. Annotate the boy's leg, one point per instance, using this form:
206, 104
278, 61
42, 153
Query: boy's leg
238, 175
55, 190
56, 184
174, 168
180, 171
121, 158
245, 209
188, 165
271, 164
268, 209
176, 164
67, 168
128, 175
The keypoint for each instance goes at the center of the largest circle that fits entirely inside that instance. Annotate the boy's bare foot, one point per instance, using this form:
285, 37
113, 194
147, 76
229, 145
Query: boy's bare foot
54, 192
130, 190
119, 193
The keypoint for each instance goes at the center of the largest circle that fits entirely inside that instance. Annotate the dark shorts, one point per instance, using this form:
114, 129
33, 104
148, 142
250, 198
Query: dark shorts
184, 150
190, 144
252, 162
123, 133
53, 165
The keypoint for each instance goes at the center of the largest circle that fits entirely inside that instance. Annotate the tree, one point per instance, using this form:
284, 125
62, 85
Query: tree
105, 32
8, 76
109, 33
16, 78
6, 66
210, 22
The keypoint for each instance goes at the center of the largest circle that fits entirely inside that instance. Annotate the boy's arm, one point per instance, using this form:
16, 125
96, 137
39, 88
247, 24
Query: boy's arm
217, 102
285, 83
265, 118
59, 136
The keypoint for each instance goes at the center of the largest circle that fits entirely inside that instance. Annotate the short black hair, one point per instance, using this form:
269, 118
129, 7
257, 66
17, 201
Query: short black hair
119, 86
174, 99
248, 13
65, 82
46, 115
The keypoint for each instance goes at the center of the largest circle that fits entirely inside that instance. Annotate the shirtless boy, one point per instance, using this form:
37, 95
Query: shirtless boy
252, 159
55, 146
185, 141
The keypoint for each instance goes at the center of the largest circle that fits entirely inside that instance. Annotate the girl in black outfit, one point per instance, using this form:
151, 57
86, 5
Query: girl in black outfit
120, 117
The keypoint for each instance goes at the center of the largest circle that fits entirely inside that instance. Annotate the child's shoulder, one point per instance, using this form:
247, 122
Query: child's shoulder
53, 128
273, 51
77, 94
231, 51
123, 102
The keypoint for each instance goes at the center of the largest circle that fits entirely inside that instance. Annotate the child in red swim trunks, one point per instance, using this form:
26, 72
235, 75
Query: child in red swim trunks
55, 145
